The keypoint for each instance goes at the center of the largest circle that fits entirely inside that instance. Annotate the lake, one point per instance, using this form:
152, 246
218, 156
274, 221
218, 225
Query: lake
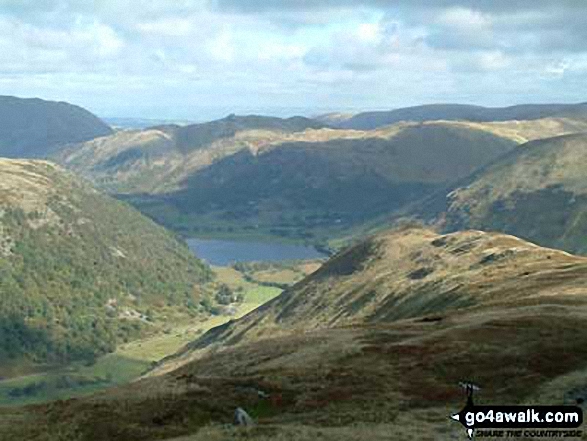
227, 252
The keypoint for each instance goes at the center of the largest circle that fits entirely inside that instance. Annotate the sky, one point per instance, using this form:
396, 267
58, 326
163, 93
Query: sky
203, 59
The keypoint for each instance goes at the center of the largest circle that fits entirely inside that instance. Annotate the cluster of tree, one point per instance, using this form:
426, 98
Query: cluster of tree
64, 286
226, 296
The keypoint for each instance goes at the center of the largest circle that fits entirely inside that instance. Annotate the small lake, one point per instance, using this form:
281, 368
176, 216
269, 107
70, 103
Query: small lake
227, 252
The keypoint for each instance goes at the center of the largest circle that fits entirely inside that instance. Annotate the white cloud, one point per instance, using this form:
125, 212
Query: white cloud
171, 27
112, 54
222, 47
556, 70
493, 60
369, 32
464, 19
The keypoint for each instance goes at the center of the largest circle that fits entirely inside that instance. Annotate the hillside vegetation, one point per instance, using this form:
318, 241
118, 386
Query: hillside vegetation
530, 130
34, 128
260, 283
371, 346
81, 272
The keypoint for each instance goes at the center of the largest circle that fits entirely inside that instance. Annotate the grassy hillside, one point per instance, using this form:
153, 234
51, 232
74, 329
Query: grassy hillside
399, 275
312, 190
389, 329
460, 112
199, 135
35, 128
301, 183
81, 272
537, 192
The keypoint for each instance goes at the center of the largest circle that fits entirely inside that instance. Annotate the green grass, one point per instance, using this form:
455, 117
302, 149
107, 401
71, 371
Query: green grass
261, 294
174, 338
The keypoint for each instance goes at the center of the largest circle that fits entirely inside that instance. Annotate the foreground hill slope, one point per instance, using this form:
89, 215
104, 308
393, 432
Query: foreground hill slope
461, 112
36, 128
301, 182
538, 192
377, 358
79, 271
409, 273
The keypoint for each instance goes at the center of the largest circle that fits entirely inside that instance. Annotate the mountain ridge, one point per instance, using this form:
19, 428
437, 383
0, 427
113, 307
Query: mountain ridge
367, 375
298, 183
372, 120
398, 275
535, 192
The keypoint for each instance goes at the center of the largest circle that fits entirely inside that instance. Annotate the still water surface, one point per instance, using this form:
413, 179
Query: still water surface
227, 252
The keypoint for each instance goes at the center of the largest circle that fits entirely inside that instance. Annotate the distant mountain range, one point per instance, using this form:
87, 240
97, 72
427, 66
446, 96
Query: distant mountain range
34, 128
122, 123
293, 178
460, 112
318, 179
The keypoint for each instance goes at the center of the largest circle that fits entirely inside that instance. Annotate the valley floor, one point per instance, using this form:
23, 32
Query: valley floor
134, 358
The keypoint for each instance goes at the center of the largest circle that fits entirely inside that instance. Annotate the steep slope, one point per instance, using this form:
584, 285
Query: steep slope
373, 120
303, 183
537, 192
79, 271
509, 316
295, 188
36, 128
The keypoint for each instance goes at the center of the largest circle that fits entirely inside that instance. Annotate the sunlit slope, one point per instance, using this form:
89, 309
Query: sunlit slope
81, 272
158, 159
410, 273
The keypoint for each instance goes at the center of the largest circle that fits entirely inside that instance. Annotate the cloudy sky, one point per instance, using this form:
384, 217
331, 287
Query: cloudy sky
201, 59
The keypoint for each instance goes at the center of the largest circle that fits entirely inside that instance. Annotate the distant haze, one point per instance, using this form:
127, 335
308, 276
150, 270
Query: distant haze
197, 114
203, 59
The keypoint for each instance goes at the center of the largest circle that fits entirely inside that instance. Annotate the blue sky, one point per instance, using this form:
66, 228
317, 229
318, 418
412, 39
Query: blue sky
202, 59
